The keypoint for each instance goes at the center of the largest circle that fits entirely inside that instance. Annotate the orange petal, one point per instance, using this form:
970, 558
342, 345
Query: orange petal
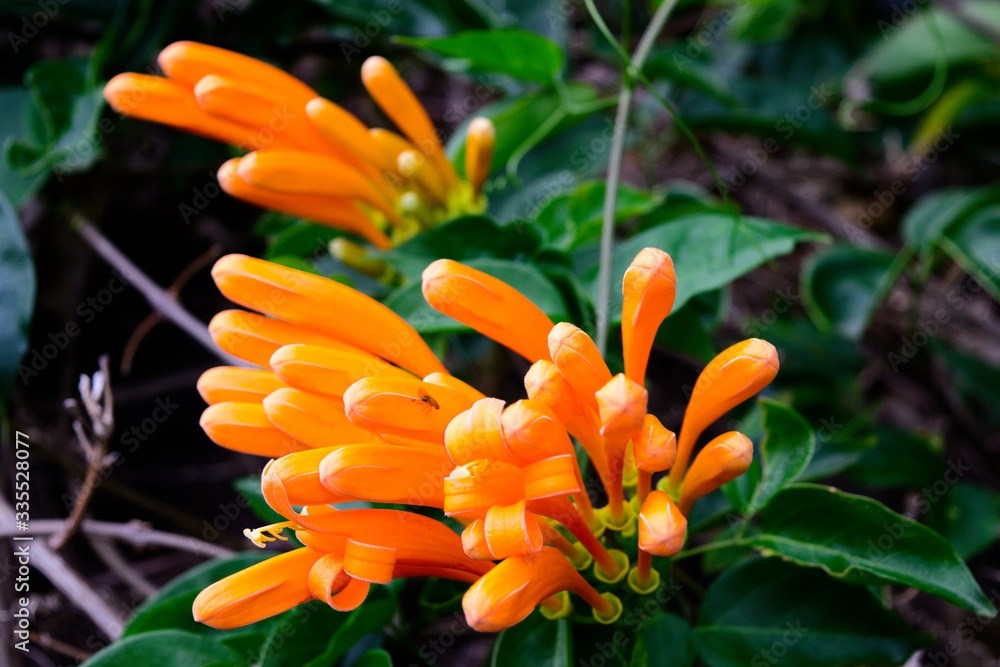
254, 338
327, 577
403, 406
508, 593
655, 446
314, 419
479, 145
474, 541
189, 62
236, 384
578, 359
294, 479
386, 474
511, 530
336, 212
164, 101
475, 434
473, 488
258, 592
325, 306
419, 541
733, 376
649, 288
276, 123
622, 405
244, 427
323, 370
554, 476
662, 526
531, 432
295, 172
369, 562
452, 382
722, 460
399, 103
488, 305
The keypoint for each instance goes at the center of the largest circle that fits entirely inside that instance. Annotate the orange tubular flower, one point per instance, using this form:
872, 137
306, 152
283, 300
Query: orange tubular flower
314, 159
353, 406
488, 305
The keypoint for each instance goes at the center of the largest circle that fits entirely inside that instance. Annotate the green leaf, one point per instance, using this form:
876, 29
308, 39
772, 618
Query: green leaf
17, 297
839, 285
977, 380
170, 608
767, 612
511, 51
974, 244
709, 250
900, 459
464, 239
375, 657
534, 641
968, 516
300, 239
926, 221
165, 648
408, 301
369, 617
787, 448
860, 540
664, 641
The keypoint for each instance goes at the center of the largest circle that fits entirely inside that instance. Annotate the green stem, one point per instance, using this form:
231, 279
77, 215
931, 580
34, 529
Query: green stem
713, 546
633, 65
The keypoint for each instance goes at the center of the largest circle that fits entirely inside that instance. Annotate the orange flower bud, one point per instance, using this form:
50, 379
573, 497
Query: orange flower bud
508, 593
579, 361
649, 288
189, 62
655, 446
475, 434
294, 479
403, 406
316, 420
733, 376
722, 460
453, 383
160, 100
324, 370
342, 128
386, 474
662, 526
336, 212
258, 592
254, 338
399, 103
236, 384
479, 144
244, 427
317, 303
488, 305
622, 405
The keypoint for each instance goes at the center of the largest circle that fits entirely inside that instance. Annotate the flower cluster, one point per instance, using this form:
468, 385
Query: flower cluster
308, 156
351, 405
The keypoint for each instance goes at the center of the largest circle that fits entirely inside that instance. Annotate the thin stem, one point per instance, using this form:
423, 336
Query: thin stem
135, 533
157, 297
617, 153
643, 568
713, 546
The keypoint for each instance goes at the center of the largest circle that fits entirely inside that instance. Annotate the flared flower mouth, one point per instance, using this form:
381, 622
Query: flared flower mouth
351, 405
308, 156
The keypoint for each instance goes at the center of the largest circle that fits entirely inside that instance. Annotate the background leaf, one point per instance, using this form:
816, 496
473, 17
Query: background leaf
511, 51
17, 296
665, 640
165, 648
839, 286
535, 640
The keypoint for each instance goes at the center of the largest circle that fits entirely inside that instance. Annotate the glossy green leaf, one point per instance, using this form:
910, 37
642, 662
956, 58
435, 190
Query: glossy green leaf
861, 541
408, 301
768, 612
17, 299
464, 239
900, 459
974, 244
926, 221
968, 516
709, 251
165, 648
170, 608
839, 285
665, 640
785, 452
370, 617
535, 641
511, 51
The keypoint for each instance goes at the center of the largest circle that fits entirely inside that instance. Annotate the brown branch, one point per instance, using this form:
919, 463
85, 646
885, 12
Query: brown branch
135, 533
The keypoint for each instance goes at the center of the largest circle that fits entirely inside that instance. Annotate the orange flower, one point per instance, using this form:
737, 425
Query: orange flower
313, 158
342, 407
